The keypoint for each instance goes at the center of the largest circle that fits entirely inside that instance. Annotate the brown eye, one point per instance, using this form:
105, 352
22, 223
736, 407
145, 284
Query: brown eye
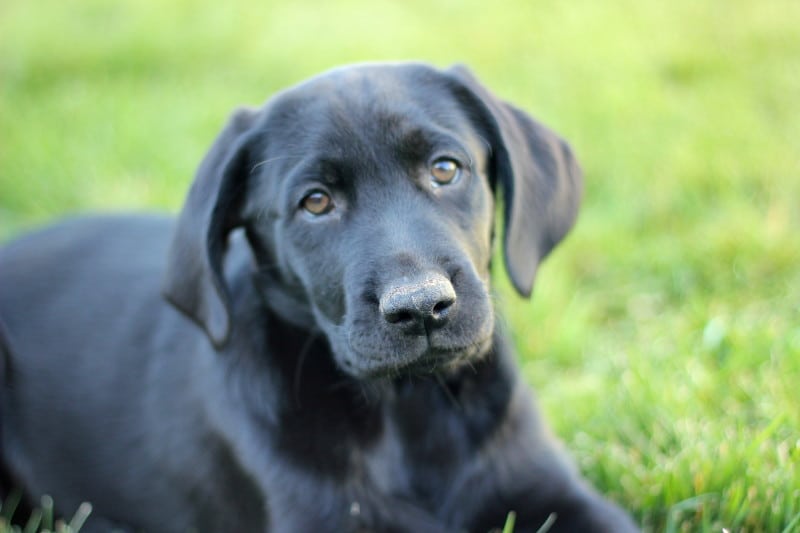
444, 171
317, 203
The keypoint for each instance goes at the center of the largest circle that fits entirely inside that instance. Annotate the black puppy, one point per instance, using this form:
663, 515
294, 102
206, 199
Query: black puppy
347, 373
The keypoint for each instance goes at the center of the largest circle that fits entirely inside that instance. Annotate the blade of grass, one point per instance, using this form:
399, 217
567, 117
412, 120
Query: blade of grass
509, 525
791, 525
544, 528
83, 512
9, 506
34, 521
47, 512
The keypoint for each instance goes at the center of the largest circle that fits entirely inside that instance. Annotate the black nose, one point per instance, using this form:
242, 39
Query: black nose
422, 302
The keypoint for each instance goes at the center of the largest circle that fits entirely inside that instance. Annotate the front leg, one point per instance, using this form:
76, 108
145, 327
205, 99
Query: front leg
346, 506
481, 450
522, 469
385, 514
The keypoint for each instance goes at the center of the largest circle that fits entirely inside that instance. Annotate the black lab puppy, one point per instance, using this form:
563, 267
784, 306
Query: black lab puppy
310, 346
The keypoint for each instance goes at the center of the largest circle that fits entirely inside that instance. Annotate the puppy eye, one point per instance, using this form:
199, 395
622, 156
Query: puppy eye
317, 202
445, 171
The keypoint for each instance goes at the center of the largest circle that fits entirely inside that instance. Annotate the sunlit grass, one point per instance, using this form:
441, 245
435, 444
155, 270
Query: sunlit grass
664, 335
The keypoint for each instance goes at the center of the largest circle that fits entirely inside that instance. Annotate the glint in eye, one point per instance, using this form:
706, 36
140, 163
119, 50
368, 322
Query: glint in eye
445, 171
317, 202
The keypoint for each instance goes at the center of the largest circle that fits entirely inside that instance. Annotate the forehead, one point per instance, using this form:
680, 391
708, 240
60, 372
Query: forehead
361, 112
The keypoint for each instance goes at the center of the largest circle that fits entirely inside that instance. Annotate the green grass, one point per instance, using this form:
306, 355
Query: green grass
42, 519
664, 336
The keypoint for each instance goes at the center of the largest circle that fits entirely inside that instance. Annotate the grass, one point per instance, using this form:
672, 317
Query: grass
42, 519
664, 336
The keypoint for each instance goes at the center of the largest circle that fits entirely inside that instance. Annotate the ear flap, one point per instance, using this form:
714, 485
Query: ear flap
194, 281
539, 175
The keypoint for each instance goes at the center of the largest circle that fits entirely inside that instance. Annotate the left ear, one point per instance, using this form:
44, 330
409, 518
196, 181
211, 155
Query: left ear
539, 175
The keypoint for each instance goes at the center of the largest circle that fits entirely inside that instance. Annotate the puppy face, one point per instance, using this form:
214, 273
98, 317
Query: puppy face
367, 195
374, 210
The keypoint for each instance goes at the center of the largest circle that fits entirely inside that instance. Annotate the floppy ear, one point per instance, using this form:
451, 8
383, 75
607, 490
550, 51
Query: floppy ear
213, 208
539, 176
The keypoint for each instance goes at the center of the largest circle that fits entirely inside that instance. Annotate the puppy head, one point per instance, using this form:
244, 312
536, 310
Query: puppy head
367, 197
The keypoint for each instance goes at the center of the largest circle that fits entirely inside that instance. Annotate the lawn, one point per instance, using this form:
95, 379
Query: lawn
663, 338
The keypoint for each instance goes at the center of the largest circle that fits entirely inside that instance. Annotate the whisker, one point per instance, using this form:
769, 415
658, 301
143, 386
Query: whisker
273, 159
488, 145
447, 391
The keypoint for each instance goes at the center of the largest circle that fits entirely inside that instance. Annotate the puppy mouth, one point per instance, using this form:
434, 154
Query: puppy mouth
372, 341
428, 361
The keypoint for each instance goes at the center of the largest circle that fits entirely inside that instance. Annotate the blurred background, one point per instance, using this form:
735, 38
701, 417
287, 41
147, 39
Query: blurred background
663, 338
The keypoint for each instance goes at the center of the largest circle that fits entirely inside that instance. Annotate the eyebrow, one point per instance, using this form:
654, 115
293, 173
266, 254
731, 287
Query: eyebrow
421, 143
325, 171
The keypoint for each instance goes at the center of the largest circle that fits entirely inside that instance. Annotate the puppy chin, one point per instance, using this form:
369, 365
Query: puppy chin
420, 359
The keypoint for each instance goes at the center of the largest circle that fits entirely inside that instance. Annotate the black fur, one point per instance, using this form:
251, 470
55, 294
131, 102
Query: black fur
332, 372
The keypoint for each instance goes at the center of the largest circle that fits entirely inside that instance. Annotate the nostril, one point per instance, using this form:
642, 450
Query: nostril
398, 317
441, 308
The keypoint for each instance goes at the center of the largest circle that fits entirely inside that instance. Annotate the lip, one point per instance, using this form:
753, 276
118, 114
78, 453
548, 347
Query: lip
431, 360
